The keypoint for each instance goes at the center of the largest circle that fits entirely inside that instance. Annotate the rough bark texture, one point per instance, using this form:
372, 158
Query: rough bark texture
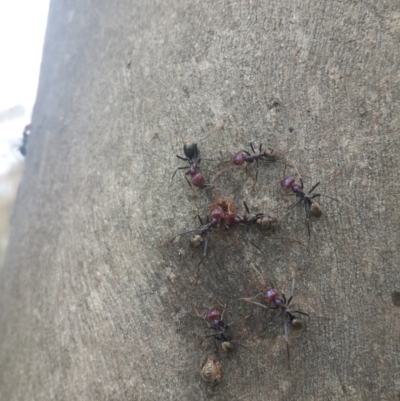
93, 308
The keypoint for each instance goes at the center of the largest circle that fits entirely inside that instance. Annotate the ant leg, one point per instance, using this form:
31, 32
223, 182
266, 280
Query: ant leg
299, 311
306, 206
253, 302
315, 196
201, 317
238, 320
315, 186
184, 233
201, 221
285, 329
289, 210
183, 158
179, 168
256, 171
216, 347
205, 245
276, 317
260, 277
223, 311
301, 184
194, 193
246, 207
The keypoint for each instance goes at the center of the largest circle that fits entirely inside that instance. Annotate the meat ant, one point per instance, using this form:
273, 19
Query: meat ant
269, 154
214, 318
311, 207
217, 216
193, 158
25, 136
276, 301
224, 215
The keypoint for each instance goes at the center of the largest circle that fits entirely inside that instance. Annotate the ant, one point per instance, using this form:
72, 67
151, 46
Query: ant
193, 158
217, 215
272, 297
214, 318
244, 156
310, 205
23, 148
256, 219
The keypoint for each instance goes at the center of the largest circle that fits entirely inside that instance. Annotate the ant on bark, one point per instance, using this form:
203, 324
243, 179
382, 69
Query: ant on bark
223, 214
272, 297
217, 215
269, 154
257, 219
311, 207
193, 158
25, 136
214, 318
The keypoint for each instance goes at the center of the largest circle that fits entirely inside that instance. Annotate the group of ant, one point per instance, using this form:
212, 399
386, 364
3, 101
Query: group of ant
223, 217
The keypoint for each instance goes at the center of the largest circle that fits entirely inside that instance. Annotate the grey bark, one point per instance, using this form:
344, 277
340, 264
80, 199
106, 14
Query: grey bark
94, 307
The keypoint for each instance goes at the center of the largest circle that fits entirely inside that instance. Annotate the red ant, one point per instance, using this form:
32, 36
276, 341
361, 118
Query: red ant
310, 205
23, 148
290, 184
271, 296
214, 318
244, 156
193, 158
224, 214
217, 215
256, 219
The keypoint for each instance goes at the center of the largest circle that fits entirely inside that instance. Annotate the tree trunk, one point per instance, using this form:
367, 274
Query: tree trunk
97, 304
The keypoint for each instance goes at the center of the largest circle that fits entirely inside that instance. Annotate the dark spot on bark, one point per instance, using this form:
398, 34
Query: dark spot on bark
396, 298
291, 129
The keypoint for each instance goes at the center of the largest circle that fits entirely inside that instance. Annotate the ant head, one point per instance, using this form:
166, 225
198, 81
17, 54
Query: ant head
316, 209
270, 295
296, 323
267, 223
227, 346
238, 159
213, 314
190, 150
287, 183
217, 213
196, 241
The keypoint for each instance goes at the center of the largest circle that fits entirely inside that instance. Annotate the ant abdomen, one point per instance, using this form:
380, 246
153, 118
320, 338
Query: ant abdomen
297, 324
267, 223
198, 180
196, 241
316, 209
271, 153
227, 346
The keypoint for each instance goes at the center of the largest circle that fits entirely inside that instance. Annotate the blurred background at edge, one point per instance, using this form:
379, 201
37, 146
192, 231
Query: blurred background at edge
22, 28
